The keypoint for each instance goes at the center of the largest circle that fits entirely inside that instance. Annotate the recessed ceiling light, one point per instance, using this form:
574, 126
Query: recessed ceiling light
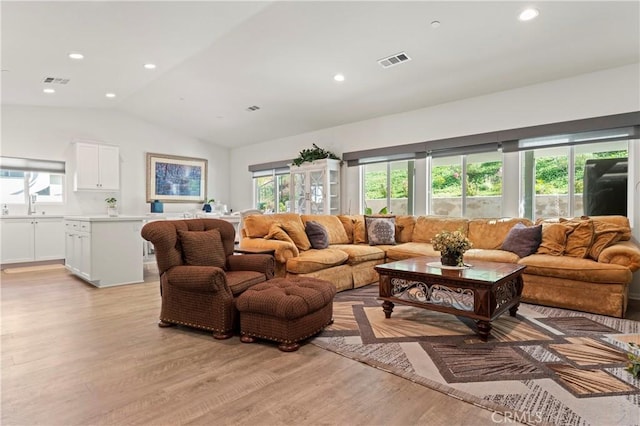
110, 95
528, 14
150, 66
49, 90
76, 55
338, 77
435, 24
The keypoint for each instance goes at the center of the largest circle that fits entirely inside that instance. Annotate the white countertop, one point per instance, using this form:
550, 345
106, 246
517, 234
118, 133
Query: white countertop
105, 218
33, 216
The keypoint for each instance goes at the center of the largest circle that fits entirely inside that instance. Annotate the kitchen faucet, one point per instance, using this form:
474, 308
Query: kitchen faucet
32, 204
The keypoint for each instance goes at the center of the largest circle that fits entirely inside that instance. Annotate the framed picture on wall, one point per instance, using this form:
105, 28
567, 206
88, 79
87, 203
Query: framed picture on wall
175, 179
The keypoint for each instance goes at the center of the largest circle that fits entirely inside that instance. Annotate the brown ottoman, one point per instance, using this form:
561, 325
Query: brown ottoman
285, 310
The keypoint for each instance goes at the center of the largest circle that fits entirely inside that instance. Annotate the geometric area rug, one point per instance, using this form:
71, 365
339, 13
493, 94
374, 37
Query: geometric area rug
545, 366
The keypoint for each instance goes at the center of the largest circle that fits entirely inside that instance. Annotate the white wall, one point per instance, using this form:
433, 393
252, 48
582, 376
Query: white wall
47, 133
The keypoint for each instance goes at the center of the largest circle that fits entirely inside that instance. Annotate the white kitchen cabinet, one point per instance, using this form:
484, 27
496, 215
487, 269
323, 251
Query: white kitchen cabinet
315, 187
105, 251
97, 167
32, 238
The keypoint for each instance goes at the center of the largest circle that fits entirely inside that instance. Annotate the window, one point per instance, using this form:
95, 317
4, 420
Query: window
467, 185
388, 187
21, 178
575, 180
271, 191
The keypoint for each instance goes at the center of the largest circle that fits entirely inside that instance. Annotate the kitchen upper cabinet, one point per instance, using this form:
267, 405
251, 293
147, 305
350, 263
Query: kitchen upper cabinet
97, 167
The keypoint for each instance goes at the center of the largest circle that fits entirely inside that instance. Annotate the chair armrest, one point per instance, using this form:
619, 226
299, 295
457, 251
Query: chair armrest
624, 253
205, 279
253, 262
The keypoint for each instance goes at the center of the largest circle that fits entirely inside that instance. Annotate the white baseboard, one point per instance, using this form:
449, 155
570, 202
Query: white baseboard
634, 296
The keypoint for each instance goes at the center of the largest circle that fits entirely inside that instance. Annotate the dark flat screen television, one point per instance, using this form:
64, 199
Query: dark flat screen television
605, 186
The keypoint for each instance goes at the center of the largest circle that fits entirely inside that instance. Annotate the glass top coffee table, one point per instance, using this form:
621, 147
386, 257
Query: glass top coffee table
481, 291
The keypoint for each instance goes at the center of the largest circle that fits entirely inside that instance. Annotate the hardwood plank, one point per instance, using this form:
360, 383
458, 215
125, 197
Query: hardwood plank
76, 355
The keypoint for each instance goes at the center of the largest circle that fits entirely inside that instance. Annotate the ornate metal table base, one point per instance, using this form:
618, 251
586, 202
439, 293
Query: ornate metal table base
482, 293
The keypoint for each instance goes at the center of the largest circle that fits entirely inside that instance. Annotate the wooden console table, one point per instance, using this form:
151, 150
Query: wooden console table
482, 291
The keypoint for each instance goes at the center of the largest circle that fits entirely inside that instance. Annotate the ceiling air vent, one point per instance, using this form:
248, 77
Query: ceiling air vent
253, 108
55, 80
393, 60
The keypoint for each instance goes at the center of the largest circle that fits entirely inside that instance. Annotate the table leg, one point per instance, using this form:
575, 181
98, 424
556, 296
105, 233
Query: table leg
514, 309
387, 307
484, 328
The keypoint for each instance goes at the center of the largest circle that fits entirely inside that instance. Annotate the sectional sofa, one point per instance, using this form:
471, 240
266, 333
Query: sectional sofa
583, 264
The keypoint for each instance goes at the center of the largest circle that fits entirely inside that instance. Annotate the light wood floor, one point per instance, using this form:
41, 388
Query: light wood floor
73, 354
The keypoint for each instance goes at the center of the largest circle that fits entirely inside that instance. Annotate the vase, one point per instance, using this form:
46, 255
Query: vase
450, 259
112, 211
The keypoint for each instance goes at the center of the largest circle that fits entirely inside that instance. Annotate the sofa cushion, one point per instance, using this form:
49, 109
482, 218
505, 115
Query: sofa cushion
359, 253
408, 250
348, 224
573, 268
488, 255
554, 238
620, 221
491, 233
380, 230
202, 248
427, 227
258, 225
317, 234
523, 240
359, 230
404, 228
315, 260
333, 225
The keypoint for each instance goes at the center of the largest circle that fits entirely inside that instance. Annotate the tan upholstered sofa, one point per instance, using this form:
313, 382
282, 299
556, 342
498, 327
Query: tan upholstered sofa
584, 264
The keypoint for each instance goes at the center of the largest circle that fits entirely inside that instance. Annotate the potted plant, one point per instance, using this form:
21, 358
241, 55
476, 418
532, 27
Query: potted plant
112, 206
207, 206
451, 246
315, 153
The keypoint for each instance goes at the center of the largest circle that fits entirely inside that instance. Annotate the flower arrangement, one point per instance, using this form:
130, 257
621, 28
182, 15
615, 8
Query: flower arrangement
451, 245
633, 366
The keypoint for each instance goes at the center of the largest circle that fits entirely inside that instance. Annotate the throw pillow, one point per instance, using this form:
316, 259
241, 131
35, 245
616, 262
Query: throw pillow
523, 240
605, 234
277, 233
380, 230
317, 234
554, 238
202, 248
295, 229
579, 240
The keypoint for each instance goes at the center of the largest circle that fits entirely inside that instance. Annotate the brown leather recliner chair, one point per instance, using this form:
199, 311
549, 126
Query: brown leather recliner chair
200, 277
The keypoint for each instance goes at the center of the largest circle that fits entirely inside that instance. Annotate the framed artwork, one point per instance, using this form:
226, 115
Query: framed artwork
174, 179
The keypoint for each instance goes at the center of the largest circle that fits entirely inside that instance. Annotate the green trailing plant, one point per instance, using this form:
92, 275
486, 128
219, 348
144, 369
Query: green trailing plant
111, 201
633, 366
315, 153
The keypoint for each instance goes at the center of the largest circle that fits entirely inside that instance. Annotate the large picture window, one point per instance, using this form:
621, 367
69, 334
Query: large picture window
388, 187
271, 191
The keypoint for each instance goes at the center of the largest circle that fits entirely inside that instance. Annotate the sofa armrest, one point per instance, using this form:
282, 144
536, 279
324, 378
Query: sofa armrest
624, 253
283, 250
253, 262
204, 279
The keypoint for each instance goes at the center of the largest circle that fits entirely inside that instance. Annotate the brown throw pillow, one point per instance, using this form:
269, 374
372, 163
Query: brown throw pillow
203, 248
523, 240
554, 238
605, 234
317, 234
580, 238
380, 230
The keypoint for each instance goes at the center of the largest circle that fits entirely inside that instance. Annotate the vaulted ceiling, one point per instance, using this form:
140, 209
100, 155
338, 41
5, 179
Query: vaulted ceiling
215, 59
